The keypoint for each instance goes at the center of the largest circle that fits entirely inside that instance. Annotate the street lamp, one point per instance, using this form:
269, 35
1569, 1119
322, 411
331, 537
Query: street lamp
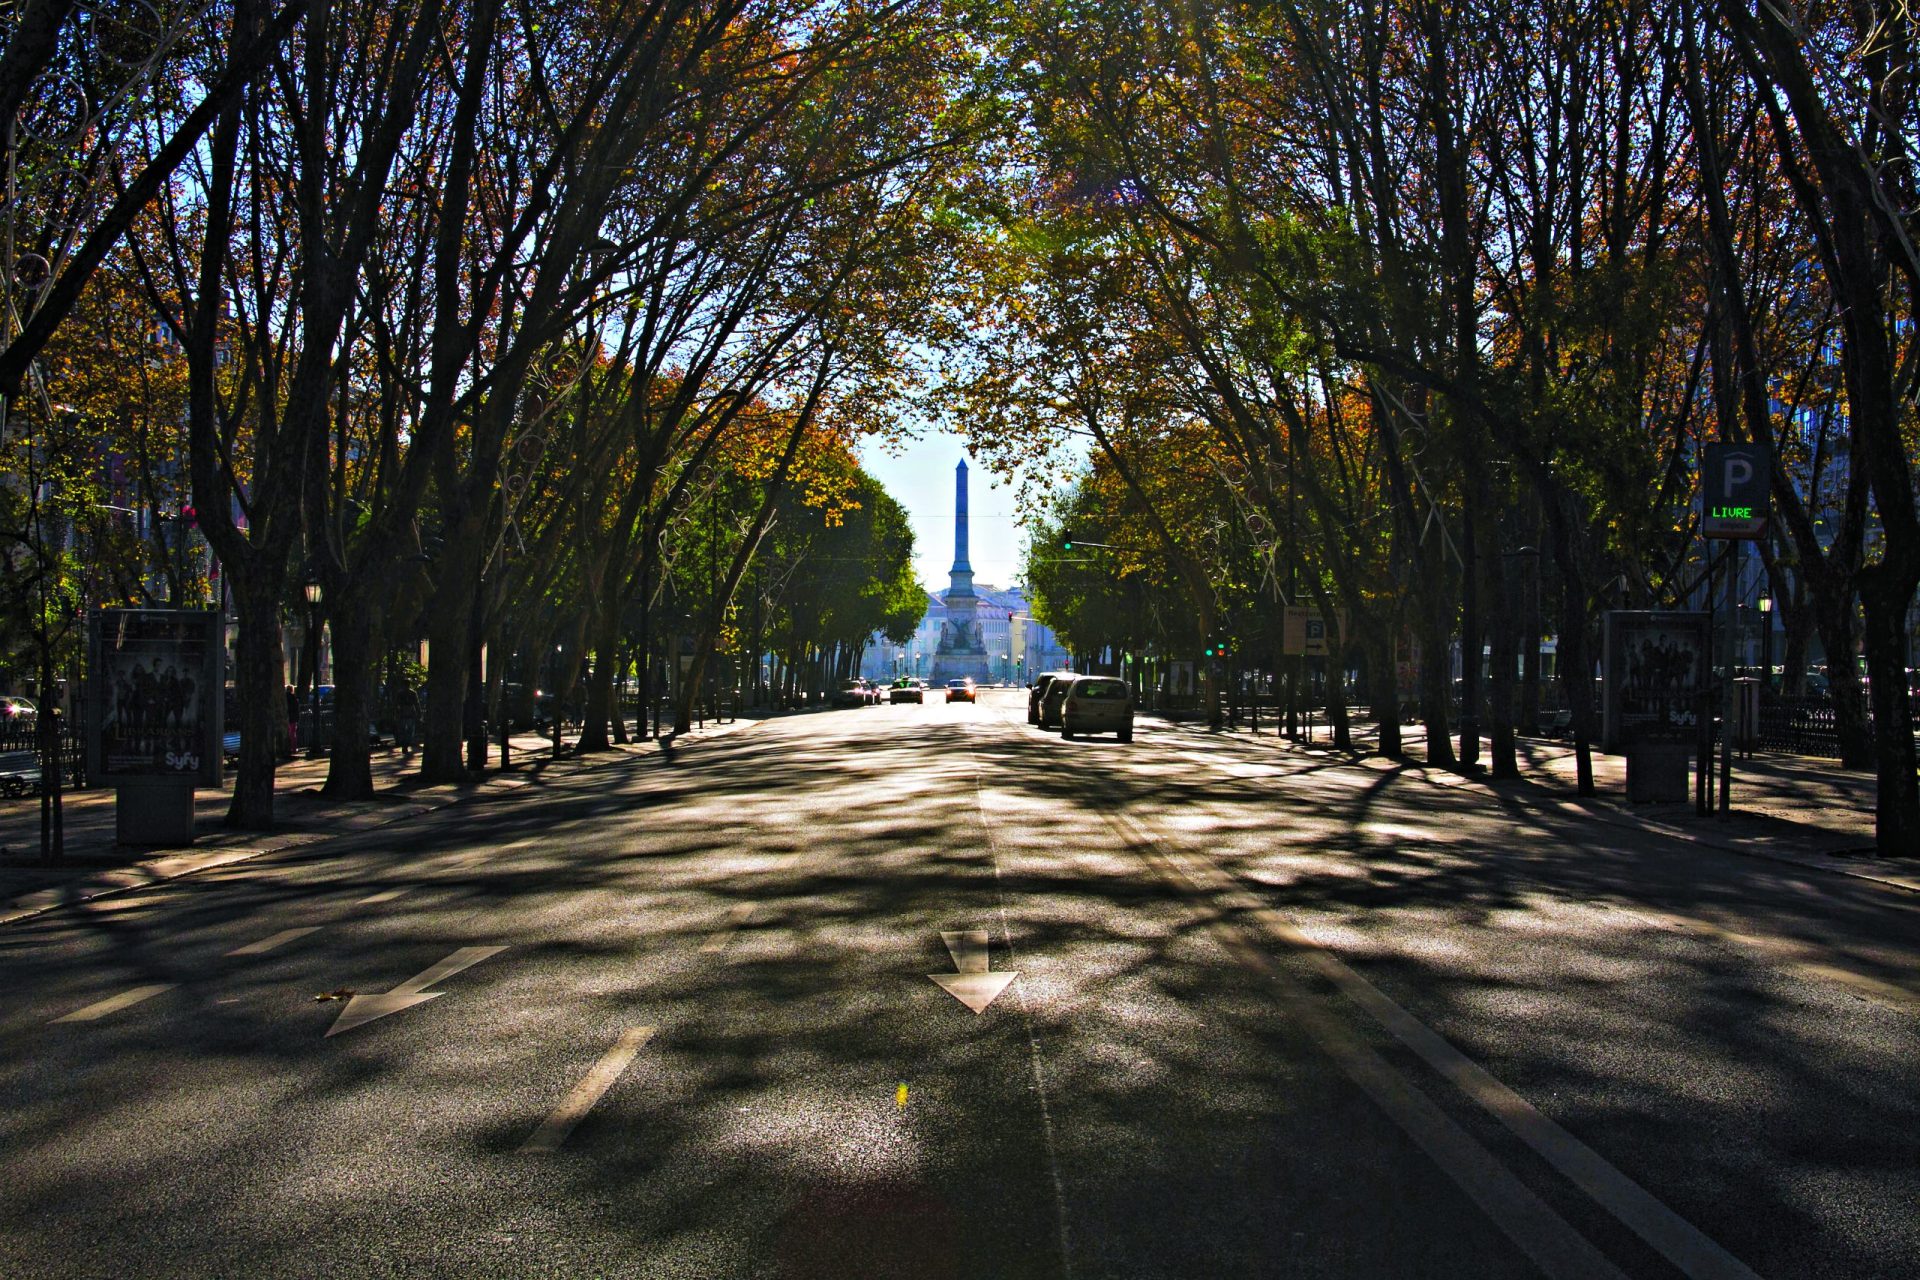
314, 593
1766, 641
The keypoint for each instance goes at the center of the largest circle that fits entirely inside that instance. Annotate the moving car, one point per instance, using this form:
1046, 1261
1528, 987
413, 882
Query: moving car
906, 690
16, 710
961, 691
1096, 704
851, 693
1037, 692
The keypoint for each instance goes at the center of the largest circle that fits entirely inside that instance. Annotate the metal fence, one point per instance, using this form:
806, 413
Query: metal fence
1801, 725
20, 755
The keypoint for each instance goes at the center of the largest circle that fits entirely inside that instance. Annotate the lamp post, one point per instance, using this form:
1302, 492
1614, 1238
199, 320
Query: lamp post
1766, 641
314, 593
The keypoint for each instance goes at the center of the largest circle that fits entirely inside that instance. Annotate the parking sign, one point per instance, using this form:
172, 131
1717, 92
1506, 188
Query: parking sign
1733, 490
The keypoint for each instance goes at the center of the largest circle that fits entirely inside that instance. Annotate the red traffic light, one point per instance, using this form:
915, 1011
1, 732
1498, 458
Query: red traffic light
188, 513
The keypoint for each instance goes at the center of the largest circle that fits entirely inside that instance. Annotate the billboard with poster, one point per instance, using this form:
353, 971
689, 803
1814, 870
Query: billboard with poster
154, 694
1653, 671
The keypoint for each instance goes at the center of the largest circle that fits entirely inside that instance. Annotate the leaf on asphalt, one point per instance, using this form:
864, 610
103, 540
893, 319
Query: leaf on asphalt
342, 994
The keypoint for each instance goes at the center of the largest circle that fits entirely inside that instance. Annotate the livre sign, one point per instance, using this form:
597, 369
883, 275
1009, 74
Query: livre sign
1733, 490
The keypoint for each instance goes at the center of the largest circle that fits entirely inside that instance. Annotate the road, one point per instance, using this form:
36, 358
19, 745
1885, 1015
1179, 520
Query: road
1275, 1014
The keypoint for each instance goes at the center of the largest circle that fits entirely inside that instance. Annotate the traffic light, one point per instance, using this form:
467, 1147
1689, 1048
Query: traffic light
1066, 539
188, 515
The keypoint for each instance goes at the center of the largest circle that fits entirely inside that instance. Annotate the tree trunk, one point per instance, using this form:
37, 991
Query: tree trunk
1499, 617
1887, 595
260, 690
1576, 667
1435, 694
350, 767
1472, 638
1834, 618
1383, 691
605, 630
449, 636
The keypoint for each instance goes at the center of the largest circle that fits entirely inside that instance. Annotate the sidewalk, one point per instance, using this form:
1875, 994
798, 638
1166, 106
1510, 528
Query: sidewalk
95, 865
1794, 809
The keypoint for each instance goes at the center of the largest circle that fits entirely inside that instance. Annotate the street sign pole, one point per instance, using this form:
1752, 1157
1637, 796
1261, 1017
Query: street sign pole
1734, 480
1731, 627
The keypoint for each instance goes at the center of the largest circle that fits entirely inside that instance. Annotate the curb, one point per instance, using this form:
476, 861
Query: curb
16, 912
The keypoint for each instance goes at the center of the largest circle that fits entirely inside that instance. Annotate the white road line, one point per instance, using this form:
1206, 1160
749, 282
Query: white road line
995, 850
554, 1129
1678, 1240
279, 939
737, 916
114, 1004
385, 895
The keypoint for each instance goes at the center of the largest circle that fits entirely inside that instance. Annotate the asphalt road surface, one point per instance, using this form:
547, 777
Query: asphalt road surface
1242, 1012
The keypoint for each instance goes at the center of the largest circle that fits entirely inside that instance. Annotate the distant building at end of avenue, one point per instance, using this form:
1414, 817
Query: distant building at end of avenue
1016, 644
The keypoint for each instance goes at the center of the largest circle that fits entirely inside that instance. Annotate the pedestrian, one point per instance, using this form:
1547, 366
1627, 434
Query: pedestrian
406, 706
293, 721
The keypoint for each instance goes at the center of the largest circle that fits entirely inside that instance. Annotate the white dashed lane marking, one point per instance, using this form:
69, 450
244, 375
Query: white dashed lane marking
114, 1004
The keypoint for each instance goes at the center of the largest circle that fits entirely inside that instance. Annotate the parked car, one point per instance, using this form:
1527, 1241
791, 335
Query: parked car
1096, 704
961, 691
1056, 697
1037, 692
907, 690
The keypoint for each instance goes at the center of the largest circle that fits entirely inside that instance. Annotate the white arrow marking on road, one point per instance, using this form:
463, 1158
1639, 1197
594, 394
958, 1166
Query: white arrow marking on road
971, 984
554, 1129
114, 1004
279, 939
363, 1009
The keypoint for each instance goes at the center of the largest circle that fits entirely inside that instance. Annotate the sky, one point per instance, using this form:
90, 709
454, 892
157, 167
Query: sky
920, 477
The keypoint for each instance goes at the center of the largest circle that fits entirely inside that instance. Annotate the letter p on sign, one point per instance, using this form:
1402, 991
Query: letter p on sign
1733, 490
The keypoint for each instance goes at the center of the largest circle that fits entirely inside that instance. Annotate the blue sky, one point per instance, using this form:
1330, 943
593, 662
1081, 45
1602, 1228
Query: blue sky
920, 477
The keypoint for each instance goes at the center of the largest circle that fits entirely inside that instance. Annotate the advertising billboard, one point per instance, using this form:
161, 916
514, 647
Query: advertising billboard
1653, 671
156, 678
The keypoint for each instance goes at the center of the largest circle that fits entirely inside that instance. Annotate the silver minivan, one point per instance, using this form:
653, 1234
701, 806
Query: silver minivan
1097, 704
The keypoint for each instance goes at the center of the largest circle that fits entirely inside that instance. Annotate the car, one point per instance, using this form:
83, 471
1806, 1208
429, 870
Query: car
905, 690
17, 710
1096, 704
961, 691
851, 693
1055, 698
1037, 692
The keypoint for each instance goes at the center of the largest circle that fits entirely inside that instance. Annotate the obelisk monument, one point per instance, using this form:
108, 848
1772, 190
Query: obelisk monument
963, 651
